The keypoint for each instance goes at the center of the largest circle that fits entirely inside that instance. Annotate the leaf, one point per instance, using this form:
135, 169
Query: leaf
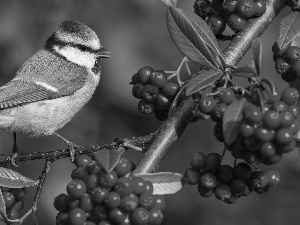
243, 72
257, 55
170, 2
12, 179
231, 118
163, 182
109, 158
2, 207
193, 37
288, 29
252, 67
202, 79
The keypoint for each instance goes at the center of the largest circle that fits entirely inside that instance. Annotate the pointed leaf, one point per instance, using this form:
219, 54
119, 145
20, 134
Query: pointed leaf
193, 37
202, 79
257, 54
163, 182
243, 72
12, 179
252, 67
231, 118
109, 158
289, 29
170, 2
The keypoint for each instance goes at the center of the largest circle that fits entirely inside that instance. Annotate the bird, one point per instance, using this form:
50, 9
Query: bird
53, 84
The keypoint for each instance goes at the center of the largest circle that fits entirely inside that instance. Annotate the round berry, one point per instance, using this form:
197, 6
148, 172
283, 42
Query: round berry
213, 160
149, 93
139, 216
158, 78
61, 202
62, 218
82, 160
138, 185
137, 90
273, 177
232, 199
202, 7
245, 129
217, 6
222, 191
19, 205
86, 203
224, 173
290, 96
123, 167
74, 203
192, 176
259, 179
146, 107
242, 171
155, 217
144, 74
76, 188
226, 96
198, 160
252, 114
112, 200
163, 102
92, 181
274, 159
271, 119
260, 7
294, 109
292, 53
135, 79
148, 186
147, 201
273, 97
206, 104
247, 191
229, 6
99, 194
296, 68
284, 136
246, 8
104, 222
282, 65
217, 24
160, 202
208, 180
128, 204
286, 119
170, 89
107, 180
93, 167
77, 216
289, 76
261, 190
116, 216
253, 158
99, 213
263, 134
267, 150
205, 192
80, 173
217, 112
238, 186
19, 193
123, 186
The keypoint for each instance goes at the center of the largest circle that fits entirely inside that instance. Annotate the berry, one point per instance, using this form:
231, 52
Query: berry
77, 216
222, 191
261, 190
62, 218
289, 76
271, 119
104, 222
246, 8
292, 53
260, 7
294, 109
224, 173
263, 134
9, 199
160, 202
139, 216
99, 194
137, 90
237, 186
116, 216
245, 129
286, 148
135, 79
217, 5
149, 93
92, 181
138, 185
192, 176
148, 186
61, 202
93, 167
232, 199
259, 179
273, 177
123, 167
144, 74
158, 78
217, 24
217, 112
251, 143
253, 158
198, 160
274, 159
86, 203
286, 119
155, 217
113, 200
226, 96
107, 180
202, 7
128, 204
267, 150
229, 6
80, 173
206, 104
247, 191
252, 114
19, 193
290, 96
147, 201
296, 68
146, 107
282, 65
76, 188
170, 89
213, 160
100, 212
205, 192
163, 102
74, 203
208, 180
284, 136
242, 171
82, 160
123, 186
273, 97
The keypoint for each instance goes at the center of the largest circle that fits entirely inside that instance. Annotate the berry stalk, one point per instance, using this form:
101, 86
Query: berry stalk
172, 129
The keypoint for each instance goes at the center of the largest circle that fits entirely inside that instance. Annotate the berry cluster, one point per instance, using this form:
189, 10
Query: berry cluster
287, 62
154, 90
264, 137
14, 203
226, 182
233, 12
96, 197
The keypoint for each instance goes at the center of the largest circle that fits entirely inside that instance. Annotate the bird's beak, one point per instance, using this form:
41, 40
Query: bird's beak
103, 53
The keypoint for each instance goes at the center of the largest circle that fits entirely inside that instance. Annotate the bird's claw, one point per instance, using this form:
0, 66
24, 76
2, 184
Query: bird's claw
13, 160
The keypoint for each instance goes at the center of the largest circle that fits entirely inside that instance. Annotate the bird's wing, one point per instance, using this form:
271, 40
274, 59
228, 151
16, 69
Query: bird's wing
19, 92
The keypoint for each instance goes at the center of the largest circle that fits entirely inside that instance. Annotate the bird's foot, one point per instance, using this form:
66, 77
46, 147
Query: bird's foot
13, 158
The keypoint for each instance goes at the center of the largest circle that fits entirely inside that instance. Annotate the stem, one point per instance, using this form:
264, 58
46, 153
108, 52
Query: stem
171, 130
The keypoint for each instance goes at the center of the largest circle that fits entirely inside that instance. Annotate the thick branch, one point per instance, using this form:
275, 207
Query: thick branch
171, 130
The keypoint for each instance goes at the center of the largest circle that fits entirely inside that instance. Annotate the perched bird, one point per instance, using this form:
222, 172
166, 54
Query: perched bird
54, 84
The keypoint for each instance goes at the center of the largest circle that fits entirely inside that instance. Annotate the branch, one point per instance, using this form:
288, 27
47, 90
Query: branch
172, 129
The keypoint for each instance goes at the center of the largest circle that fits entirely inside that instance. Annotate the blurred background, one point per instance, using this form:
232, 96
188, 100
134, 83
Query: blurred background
135, 33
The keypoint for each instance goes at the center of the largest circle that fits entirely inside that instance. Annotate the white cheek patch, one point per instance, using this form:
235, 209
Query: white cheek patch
74, 55
46, 86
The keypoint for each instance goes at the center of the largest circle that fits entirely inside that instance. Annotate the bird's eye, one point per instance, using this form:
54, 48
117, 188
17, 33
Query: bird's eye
82, 48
